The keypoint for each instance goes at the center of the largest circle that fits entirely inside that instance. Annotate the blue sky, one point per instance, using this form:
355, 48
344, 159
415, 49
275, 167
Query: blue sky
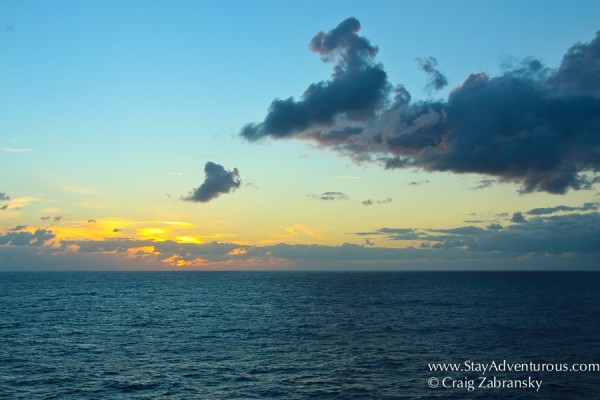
110, 111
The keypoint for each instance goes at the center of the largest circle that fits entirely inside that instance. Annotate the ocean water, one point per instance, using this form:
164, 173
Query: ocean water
294, 335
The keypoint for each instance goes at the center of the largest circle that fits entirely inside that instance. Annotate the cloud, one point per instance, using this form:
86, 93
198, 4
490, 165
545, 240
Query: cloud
117, 230
569, 241
494, 226
463, 230
574, 233
388, 231
20, 238
45, 218
370, 202
531, 125
91, 220
58, 218
552, 210
517, 218
217, 181
562, 234
437, 80
579, 71
330, 196
396, 234
357, 89
484, 184
417, 183
4, 197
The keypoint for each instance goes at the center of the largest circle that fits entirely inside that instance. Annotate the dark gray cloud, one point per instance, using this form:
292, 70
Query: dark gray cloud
19, 238
580, 70
417, 183
388, 231
573, 233
117, 230
19, 228
396, 234
515, 128
549, 210
453, 237
357, 89
450, 243
463, 230
45, 218
330, 196
395, 230
484, 184
494, 226
437, 80
561, 234
217, 181
552, 210
531, 125
91, 220
4, 197
167, 247
58, 218
315, 255
370, 202
518, 218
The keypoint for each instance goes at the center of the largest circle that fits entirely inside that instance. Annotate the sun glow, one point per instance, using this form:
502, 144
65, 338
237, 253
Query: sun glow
153, 234
135, 251
177, 261
187, 239
237, 252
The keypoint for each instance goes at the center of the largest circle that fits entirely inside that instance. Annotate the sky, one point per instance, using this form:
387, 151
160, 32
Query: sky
218, 135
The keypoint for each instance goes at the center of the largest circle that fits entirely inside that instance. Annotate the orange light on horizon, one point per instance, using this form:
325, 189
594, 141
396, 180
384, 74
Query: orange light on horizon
135, 251
177, 261
237, 252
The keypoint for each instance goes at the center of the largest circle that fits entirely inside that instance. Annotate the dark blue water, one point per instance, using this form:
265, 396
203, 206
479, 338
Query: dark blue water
291, 335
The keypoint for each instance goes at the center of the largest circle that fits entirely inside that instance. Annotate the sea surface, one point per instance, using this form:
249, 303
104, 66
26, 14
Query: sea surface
293, 335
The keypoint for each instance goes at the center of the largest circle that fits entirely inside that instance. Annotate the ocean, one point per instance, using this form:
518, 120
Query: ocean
299, 335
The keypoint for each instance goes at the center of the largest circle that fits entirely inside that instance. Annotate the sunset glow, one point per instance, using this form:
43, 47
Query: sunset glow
347, 142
